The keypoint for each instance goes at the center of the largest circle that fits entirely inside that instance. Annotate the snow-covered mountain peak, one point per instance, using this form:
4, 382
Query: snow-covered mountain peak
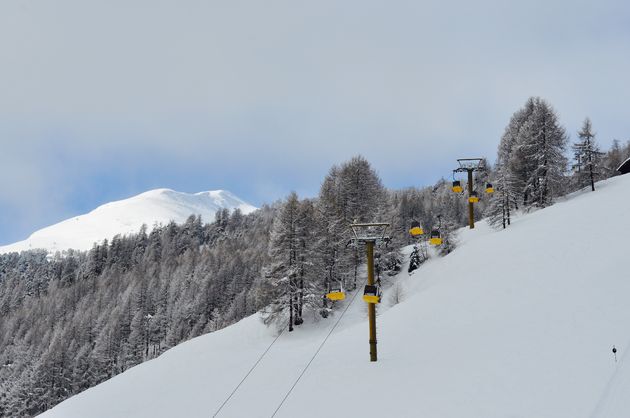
156, 192
158, 206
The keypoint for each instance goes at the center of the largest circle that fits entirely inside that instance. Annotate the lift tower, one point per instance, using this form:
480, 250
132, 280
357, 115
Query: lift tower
370, 234
469, 166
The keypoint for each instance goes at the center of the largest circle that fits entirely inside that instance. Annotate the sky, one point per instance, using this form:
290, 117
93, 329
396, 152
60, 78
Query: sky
102, 100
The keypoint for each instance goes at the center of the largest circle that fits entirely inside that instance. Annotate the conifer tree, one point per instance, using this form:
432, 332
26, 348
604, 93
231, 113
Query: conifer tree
307, 288
513, 151
331, 231
533, 147
284, 268
504, 200
587, 156
416, 258
545, 145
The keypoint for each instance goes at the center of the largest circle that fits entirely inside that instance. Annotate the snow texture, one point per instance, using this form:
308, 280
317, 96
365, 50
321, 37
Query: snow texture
518, 323
158, 206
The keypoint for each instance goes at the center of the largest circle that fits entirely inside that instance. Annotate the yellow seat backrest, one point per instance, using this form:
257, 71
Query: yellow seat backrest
336, 295
416, 231
371, 298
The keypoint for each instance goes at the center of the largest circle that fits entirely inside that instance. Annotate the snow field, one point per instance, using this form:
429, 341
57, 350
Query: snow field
513, 324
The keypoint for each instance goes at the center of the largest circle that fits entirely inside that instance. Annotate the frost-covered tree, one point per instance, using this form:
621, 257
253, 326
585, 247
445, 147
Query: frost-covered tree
448, 227
587, 157
72, 321
308, 284
544, 143
416, 258
331, 236
504, 200
513, 153
284, 269
533, 147
349, 193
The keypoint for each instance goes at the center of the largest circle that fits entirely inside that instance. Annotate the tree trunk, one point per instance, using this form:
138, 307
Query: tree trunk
356, 267
301, 301
508, 210
590, 166
290, 309
300, 297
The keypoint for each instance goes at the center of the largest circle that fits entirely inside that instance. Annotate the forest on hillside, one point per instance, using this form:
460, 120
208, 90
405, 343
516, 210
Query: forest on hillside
72, 320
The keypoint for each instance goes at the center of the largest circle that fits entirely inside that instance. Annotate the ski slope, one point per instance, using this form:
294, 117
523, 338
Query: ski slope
158, 206
513, 324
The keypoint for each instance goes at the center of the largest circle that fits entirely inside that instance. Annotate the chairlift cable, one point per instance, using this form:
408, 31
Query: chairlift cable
316, 353
249, 372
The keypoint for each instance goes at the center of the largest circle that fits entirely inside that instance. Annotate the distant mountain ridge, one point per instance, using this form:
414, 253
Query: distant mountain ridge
158, 206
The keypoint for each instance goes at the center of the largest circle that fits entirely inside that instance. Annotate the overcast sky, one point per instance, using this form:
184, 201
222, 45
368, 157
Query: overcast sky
101, 100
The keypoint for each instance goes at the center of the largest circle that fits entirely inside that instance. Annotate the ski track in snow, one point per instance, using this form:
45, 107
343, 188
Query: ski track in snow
615, 397
512, 324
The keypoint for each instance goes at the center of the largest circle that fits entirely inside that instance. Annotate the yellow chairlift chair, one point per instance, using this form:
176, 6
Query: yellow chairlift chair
372, 294
436, 238
457, 186
474, 197
489, 188
416, 229
336, 293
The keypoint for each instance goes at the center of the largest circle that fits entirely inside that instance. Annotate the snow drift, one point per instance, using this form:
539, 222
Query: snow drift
514, 323
158, 206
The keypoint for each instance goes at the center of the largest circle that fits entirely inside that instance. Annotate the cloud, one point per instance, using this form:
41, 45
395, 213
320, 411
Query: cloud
103, 99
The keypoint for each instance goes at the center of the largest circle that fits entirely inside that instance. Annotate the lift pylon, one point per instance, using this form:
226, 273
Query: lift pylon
370, 234
469, 166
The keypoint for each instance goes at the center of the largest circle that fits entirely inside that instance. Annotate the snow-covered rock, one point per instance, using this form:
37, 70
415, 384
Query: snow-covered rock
158, 206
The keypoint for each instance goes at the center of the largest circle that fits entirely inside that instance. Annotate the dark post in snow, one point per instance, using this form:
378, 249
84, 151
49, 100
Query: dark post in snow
469, 166
369, 246
370, 234
471, 209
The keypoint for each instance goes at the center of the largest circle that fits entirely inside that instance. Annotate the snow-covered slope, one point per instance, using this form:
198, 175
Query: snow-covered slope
514, 324
127, 216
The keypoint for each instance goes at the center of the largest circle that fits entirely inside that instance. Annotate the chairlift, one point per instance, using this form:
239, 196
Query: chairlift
436, 238
489, 188
336, 293
416, 229
372, 294
457, 186
474, 197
